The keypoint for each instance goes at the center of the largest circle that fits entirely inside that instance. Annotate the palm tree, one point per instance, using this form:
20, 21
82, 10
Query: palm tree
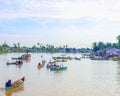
5, 45
101, 45
38, 44
18, 45
95, 47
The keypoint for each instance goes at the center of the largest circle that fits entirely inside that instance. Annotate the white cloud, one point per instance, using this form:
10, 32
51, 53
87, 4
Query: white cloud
67, 9
85, 21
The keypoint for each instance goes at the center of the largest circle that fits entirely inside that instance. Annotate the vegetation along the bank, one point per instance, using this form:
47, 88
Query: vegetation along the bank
96, 46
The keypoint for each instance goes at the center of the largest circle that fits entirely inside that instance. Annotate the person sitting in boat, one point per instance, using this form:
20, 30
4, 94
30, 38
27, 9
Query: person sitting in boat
9, 83
19, 61
39, 64
43, 62
58, 65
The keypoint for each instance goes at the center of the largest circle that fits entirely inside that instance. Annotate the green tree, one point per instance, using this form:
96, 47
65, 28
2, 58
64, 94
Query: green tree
95, 47
34, 48
5, 45
118, 38
15, 45
115, 45
1, 49
18, 44
101, 45
38, 44
43, 48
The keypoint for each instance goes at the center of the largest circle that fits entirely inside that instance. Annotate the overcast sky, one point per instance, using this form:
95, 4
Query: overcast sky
76, 23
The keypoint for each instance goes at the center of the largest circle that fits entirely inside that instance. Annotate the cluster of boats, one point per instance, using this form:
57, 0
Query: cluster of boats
19, 60
40, 65
19, 83
55, 65
23, 57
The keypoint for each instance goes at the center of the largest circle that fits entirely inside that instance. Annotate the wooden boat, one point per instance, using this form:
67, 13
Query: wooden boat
16, 58
25, 56
52, 62
58, 68
16, 85
61, 60
77, 58
63, 57
14, 63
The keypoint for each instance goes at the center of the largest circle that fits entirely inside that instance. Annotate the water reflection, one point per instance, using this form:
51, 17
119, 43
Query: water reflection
19, 66
58, 72
118, 62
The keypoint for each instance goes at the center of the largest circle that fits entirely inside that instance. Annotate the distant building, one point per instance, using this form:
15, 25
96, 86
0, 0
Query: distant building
113, 52
109, 52
62, 50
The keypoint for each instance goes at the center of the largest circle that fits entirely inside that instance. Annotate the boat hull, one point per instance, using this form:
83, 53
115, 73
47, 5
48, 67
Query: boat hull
58, 69
10, 90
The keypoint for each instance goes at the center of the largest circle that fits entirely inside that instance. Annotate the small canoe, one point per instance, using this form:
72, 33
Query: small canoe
25, 56
77, 58
58, 68
15, 58
61, 60
14, 63
16, 85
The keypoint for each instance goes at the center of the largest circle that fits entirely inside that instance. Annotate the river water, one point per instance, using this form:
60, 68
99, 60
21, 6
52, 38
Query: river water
83, 77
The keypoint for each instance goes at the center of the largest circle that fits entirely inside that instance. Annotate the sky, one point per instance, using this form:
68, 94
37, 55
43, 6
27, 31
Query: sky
76, 23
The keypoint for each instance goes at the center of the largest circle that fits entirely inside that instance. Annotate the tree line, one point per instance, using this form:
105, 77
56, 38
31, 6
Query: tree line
96, 46
5, 48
